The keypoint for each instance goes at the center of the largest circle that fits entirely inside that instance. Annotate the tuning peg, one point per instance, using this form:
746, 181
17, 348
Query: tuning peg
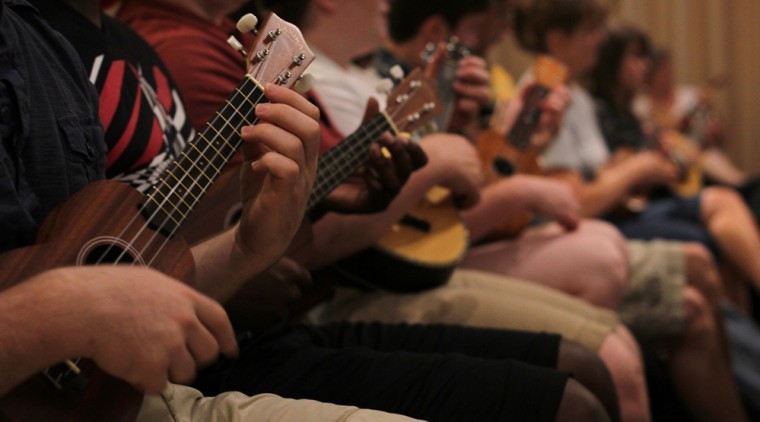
247, 23
397, 72
304, 83
384, 86
236, 45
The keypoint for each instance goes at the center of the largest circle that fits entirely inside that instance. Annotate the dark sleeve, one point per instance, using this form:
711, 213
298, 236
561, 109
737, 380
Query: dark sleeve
619, 131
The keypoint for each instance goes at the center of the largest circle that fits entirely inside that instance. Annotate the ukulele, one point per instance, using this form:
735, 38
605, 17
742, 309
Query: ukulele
503, 154
109, 223
422, 250
412, 104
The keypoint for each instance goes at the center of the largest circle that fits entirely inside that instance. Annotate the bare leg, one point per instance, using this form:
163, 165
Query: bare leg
734, 229
578, 404
621, 354
698, 368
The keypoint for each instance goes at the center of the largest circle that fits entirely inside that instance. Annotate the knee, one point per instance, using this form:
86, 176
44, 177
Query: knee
717, 197
698, 316
701, 270
591, 372
578, 404
610, 252
584, 364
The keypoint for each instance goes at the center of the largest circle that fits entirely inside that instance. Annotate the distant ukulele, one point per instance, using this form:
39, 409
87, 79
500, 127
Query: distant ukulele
503, 154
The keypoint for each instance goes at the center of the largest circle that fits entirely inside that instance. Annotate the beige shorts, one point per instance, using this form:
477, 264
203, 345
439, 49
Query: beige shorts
184, 404
653, 305
478, 299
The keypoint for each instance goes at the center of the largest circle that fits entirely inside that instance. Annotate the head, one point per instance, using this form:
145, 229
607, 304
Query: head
360, 23
436, 20
624, 62
497, 23
570, 30
661, 76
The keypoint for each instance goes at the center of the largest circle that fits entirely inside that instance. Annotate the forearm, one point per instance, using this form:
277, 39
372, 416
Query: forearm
34, 329
499, 202
222, 267
611, 187
337, 235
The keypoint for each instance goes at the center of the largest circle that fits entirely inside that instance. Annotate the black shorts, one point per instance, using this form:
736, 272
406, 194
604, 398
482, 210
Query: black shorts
431, 372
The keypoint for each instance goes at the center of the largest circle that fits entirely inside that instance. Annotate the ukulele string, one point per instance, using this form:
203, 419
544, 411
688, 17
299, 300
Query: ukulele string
236, 144
161, 204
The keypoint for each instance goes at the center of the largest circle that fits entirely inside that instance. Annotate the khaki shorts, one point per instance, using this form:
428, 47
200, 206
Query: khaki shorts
478, 299
653, 305
184, 404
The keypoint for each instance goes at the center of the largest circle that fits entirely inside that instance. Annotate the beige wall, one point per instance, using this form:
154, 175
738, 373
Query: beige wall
707, 38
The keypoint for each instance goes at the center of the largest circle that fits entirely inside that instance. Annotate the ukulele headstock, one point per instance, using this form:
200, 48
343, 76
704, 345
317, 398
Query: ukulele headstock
279, 54
413, 102
549, 72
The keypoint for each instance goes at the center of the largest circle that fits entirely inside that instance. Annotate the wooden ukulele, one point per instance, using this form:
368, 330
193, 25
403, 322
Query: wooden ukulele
422, 250
503, 154
109, 223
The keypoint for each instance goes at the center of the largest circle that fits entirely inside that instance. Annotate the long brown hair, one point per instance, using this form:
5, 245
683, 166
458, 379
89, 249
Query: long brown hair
604, 80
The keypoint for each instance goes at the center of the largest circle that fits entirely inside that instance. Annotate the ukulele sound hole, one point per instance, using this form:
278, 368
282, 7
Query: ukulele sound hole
109, 250
108, 254
503, 167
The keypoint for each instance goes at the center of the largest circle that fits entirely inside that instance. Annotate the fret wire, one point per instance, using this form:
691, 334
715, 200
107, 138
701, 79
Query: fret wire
342, 167
210, 162
150, 197
189, 190
237, 111
193, 164
174, 205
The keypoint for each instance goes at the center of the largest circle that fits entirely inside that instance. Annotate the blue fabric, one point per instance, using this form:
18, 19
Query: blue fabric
43, 164
671, 218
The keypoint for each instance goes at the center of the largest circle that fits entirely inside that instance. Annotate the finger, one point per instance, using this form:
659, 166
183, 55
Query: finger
182, 367
384, 168
274, 138
215, 319
372, 108
278, 94
283, 170
292, 121
202, 345
480, 94
417, 155
401, 162
569, 222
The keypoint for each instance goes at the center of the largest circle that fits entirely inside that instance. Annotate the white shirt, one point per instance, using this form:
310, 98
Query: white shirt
343, 92
579, 145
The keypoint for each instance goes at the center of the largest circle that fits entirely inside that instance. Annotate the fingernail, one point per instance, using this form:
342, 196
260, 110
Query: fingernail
245, 130
262, 108
271, 88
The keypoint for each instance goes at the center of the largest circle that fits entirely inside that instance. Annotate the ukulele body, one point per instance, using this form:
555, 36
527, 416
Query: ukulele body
78, 232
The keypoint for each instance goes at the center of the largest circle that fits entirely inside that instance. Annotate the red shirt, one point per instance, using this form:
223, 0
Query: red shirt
205, 68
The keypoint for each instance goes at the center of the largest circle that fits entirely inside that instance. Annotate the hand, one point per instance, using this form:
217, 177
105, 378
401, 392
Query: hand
473, 87
552, 114
551, 198
374, 187
280, 159
135, 323
653, 169
266, 299
456, 163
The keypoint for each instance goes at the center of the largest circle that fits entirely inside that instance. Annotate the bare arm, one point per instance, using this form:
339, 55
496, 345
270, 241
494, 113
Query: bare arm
280, 158
617, 181
508, 198
135, 323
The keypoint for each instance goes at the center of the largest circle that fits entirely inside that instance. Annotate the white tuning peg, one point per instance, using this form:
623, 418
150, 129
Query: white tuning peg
236, 45
304, 83
384, 86
247, 23
397, 72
